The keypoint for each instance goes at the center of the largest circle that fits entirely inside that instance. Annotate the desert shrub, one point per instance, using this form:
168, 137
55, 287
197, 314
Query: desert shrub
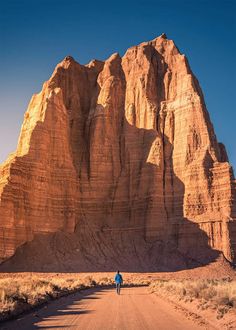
215, 294
25, 292
89, 281
105, 281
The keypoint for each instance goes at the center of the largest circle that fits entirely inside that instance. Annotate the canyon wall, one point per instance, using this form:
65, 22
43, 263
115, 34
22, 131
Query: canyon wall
120, 149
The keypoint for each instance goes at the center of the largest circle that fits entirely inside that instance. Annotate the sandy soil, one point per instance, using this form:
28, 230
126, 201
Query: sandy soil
103, 309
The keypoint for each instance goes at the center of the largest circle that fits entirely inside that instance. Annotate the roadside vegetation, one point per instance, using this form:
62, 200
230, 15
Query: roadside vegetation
19, 295
219, 295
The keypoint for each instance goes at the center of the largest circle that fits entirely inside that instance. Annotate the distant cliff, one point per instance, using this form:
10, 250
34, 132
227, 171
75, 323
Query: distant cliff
121, 159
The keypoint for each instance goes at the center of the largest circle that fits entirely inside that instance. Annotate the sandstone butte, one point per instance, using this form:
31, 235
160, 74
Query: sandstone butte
117, 163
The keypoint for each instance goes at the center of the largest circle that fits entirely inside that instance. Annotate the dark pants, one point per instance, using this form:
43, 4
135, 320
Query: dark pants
118, 288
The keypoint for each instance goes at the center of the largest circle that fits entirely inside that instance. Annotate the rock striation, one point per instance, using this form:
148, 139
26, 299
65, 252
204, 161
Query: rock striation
121, 156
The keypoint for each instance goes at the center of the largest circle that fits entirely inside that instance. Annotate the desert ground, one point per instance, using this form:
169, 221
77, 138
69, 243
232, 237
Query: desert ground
200, 298
135, 308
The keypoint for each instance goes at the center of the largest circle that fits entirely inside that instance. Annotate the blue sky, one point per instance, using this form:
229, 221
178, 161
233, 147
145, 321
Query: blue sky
35, 35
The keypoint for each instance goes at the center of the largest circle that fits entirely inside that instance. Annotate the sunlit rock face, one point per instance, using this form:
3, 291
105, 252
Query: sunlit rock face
118, 150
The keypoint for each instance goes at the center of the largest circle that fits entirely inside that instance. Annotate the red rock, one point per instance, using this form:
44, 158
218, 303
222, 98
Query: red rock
112, 149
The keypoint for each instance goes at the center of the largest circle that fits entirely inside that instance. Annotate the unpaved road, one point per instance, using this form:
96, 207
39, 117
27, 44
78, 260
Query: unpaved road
134, 309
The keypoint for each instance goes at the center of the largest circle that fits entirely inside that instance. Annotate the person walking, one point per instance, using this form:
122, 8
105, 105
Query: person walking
119, 281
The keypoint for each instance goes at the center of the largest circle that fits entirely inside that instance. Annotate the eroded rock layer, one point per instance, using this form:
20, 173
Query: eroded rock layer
117, 150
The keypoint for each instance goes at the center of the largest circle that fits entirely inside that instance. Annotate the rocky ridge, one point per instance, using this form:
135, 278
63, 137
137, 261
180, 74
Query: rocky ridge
118, 160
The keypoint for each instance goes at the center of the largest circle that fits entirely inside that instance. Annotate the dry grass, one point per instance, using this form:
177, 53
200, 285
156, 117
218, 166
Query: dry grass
21, 294
219, 295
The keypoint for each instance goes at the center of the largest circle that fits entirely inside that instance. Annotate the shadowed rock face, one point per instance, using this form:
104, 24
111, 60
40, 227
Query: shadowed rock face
122, 156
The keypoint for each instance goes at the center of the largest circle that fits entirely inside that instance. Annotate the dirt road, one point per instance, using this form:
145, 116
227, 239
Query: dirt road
134, 309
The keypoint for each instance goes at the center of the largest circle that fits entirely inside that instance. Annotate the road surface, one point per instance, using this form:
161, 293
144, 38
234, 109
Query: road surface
93, 309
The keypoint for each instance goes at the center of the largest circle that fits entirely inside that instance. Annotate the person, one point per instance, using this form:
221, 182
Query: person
119, 281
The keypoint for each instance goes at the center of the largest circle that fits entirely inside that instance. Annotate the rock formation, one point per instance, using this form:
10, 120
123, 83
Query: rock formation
120, 159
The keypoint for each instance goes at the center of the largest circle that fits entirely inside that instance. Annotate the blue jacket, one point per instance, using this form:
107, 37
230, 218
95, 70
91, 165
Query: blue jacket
118, 279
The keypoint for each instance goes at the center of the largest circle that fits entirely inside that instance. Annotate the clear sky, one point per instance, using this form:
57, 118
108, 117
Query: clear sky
35, 35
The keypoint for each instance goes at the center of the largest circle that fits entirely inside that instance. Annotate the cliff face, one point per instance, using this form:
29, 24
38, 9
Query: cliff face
121, 154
